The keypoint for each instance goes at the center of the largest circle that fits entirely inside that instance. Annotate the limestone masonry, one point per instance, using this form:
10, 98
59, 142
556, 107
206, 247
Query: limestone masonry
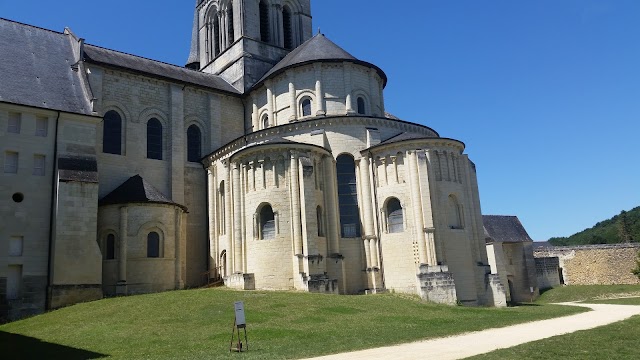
268, 162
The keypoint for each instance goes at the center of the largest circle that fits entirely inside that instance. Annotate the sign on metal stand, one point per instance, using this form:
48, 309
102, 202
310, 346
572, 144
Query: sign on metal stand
239, 323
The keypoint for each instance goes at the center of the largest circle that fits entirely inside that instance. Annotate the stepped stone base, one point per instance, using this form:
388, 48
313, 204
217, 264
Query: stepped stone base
320, 283
240, 281
436, 284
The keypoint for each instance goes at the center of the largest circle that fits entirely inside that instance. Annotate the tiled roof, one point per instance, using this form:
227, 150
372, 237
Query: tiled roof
136, 190
316, 49
170, 72
37, 68
506, 229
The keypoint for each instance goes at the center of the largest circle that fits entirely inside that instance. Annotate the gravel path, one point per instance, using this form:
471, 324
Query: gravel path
480, 342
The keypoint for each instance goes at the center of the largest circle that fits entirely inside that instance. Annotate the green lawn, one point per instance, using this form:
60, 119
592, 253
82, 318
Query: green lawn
587, 293
620, 301
197, 324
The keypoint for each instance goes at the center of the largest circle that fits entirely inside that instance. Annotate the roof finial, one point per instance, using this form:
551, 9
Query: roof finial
319, 30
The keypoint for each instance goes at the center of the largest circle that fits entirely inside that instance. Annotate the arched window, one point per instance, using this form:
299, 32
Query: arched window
194, 144
348, 196
110, 247
361, 106
267, 225
264, 21
455, 213
286, 26
320, 221
230, 32
216, 34
112, 133
154, 139
305, 104
395, 220
153, 245
265, 121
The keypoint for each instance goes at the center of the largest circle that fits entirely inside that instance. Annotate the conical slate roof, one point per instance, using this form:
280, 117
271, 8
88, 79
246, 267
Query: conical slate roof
317, 49
194, 53
136, 190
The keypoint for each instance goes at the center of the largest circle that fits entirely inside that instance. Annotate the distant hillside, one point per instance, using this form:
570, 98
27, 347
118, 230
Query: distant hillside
620, 228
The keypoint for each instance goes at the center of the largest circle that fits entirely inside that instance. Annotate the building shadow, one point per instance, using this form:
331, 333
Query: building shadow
14, 346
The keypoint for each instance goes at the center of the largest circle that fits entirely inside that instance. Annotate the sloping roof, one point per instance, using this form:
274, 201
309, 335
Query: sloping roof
506, 229
195, 40
136, 190
36, 69
159, 69
316, 49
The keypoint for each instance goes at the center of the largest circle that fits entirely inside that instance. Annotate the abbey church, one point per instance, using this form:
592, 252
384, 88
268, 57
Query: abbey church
268, 162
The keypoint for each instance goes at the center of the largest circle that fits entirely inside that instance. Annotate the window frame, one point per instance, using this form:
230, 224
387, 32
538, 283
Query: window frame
11, 167
155, 132
394, 226
348, 197
269, 224
158, 243
192, 147
109, 131
14, 124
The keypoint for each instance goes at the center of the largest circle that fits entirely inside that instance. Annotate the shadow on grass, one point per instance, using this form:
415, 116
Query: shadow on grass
24, 347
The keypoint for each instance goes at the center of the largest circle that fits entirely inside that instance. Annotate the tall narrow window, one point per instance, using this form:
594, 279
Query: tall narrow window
395, 220
320, 221
154, 139
38, 165
194, 144
112, 133
455, 213
264, 21
267, 223
306, 107
110, 247
230, 32
153, 245
265, 121
42, 126
216, 34
11, 162
361, 106
222, 206
14, 282
286, 26
348, 196
15, 123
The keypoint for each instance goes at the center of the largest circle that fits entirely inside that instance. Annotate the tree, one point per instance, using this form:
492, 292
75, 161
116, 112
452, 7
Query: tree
624, 228
636, 271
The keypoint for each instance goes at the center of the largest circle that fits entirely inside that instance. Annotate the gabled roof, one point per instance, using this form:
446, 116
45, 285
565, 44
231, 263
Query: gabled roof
316, 49
37, 68
136, 190
155, 68
506, 229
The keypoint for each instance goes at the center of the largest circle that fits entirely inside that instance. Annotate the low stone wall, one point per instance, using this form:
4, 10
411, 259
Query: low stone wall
594, 264
548, 272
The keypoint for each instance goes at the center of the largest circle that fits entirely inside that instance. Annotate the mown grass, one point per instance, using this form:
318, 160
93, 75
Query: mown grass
197, 324
587, 293
620, 301
616, 341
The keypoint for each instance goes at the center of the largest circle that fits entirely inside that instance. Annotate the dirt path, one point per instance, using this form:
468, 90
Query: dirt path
480, 342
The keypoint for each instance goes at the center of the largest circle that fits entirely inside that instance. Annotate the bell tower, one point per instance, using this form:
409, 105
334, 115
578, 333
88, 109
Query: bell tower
241, 40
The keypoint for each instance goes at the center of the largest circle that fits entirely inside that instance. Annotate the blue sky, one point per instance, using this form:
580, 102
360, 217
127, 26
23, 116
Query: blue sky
545, 93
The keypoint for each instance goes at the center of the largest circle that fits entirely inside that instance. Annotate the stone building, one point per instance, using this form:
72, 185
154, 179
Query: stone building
510, 252
268, 162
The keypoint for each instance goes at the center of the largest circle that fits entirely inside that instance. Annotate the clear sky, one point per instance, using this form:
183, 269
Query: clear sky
545, 93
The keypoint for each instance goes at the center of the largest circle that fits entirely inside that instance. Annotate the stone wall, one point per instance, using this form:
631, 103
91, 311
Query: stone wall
595, 264
548, 272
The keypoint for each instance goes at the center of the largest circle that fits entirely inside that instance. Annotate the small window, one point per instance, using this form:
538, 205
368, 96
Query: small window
267, 223
194, 144
154, 139
110, 247
11, 162
112, 133
153, 245
265, 121
15, 123
42, 126
395, 220
38, 165
361, 106
306, 107
16, 245
264, 21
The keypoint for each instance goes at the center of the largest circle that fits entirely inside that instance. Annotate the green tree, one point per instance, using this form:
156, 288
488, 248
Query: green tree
624, 228
636, 271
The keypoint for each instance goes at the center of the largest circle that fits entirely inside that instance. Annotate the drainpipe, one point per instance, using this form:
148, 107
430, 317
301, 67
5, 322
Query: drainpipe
54, 177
